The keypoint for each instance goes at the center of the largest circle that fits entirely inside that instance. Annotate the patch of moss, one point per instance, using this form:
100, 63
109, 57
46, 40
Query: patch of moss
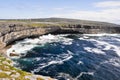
21, 78
2, 59
22, 73
4, 68
4, 75
40, 78
9, 61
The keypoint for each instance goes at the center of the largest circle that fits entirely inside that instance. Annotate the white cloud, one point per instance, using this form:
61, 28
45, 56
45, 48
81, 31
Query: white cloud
107, 4
107, 15
108, 11
59, 9
62, 8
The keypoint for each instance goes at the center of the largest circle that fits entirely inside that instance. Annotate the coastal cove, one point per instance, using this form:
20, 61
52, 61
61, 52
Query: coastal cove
59, 39
70, 56
11, 31
64, 49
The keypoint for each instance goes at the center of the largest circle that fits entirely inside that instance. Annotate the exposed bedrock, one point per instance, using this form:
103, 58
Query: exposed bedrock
12, 32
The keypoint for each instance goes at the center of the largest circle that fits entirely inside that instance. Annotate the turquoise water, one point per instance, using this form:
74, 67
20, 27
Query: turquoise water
71, 56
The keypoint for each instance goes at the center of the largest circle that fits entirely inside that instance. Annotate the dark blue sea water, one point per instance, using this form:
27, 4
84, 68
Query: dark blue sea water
71, 56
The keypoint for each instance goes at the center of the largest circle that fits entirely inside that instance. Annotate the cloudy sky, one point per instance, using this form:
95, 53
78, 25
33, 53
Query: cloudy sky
97, 10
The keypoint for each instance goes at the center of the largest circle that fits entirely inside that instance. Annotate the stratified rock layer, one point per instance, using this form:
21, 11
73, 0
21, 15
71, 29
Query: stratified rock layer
12, 32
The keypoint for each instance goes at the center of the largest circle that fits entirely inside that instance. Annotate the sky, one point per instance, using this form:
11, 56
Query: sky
96, 10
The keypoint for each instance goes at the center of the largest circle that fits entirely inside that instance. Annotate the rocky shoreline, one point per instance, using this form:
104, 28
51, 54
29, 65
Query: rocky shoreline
11, 32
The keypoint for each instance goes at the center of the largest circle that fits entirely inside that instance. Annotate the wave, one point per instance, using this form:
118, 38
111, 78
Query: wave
102, 45
59, 61
113, 61
72, 58
88, 73
107, 46
103, 34
27, 44
94, 50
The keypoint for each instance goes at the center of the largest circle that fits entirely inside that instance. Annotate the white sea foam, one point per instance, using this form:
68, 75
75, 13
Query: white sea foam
89, 73
85, 37
80, 62
51, 62
55, 38
113, 61
37, 58
103, 34
19, 48
28, 44
49, 36
100, 47
94, 50
107, 46
100, 43
117, 39
81, 38
66, 76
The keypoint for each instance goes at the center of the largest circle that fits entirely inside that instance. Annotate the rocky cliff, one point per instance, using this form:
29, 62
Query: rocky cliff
10, 32
13, 31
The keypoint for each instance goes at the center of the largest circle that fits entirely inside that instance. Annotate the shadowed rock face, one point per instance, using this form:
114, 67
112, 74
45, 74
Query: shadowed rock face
12, 32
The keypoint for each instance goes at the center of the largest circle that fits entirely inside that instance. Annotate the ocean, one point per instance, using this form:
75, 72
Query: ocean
70, 56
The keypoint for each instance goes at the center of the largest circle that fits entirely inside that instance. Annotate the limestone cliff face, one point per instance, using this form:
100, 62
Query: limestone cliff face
88, 29
12, 32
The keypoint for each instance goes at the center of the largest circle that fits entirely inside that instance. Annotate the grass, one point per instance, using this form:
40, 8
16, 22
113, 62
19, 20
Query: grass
35, 23
8, 71
12, 70
4, 75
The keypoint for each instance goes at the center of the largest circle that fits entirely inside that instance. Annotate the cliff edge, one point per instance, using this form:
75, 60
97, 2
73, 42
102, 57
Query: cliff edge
11, 30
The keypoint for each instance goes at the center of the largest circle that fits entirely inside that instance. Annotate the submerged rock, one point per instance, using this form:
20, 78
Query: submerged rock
14, 54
